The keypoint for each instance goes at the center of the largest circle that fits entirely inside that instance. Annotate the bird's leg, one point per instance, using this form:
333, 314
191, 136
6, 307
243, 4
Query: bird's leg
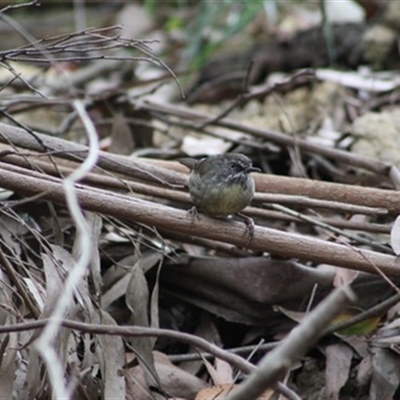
249, 227
194, 213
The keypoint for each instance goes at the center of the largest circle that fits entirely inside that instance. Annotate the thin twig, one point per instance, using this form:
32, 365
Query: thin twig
313, 221
279, 138
259, 93
44, 343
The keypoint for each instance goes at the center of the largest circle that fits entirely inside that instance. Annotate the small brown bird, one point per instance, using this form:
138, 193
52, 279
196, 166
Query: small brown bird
221, 185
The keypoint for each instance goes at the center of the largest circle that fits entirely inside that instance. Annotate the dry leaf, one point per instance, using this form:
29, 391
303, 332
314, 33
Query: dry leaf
221, 392
111, 352
174, 381
137, 300
395, 236
338, 362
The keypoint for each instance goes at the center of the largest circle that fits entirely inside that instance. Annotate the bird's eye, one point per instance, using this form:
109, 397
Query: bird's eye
235, 167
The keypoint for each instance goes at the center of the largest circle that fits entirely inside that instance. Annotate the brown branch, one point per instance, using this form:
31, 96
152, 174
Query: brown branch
115, 183
76, 152
357, 195
137, 331
111, 182
170, 219
356, 238
123, 185
279, 138
240, 363
338, 223
164, 172
303, 201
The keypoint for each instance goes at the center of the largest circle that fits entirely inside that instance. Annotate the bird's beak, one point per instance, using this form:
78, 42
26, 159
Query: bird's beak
253, 169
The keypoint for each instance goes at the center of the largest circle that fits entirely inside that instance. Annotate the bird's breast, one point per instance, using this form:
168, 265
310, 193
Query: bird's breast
223, 198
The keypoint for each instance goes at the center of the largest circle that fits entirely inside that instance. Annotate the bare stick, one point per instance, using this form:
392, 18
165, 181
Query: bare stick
294, 346
170, 219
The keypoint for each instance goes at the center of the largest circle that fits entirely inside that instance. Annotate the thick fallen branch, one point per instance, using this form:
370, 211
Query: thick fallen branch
171, 173
362, 196
284, 244
53, 148
114, 183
